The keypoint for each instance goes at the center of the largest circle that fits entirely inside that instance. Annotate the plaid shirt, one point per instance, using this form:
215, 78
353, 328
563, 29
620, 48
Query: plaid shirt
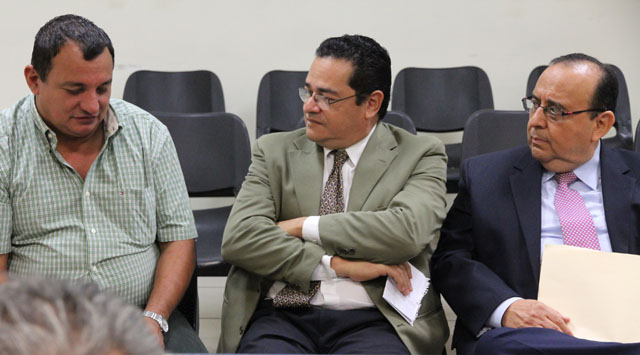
104, 228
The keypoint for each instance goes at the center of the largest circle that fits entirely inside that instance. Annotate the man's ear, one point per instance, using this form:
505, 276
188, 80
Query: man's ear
373, 103
33, 79
602, 124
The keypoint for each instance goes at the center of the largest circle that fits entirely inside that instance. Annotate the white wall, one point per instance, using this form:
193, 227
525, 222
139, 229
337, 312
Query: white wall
242, 40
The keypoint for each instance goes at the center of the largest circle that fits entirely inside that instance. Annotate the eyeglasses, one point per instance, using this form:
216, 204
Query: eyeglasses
323, 101
553, 113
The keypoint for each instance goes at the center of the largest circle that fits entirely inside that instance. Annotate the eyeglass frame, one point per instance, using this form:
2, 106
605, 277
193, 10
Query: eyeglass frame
306, 94
553, 117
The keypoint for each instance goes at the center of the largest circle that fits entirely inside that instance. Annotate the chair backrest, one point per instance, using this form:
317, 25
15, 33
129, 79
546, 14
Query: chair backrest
623, 126
400, 119
488, 131
189, 91
533, 78
636, 140
441, 100
213, 149
279, 106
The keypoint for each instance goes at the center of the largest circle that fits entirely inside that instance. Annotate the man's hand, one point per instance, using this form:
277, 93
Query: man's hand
155, 329
364, 271
292, 227
533, 313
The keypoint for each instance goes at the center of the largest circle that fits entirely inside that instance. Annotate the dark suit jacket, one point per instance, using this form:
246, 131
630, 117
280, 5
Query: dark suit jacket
489, 247
396, 205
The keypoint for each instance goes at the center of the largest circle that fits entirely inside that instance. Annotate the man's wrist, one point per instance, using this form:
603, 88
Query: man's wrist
159, 319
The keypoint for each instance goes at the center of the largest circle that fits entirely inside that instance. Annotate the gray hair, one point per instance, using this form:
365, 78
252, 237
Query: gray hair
39, 316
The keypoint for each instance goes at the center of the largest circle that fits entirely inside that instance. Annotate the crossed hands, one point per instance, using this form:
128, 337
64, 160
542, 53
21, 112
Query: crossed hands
358, 270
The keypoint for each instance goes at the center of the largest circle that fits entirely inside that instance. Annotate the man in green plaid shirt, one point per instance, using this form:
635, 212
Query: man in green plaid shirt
91, 188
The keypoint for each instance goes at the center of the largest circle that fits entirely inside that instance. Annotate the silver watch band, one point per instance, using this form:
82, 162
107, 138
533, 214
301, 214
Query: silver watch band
158, 318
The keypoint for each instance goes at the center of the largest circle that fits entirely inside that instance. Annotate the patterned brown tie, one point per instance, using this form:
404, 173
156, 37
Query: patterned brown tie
292, 296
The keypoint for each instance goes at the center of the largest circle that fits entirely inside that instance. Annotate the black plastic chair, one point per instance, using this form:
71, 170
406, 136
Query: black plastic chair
187, 92
441, 100
214, 153
636, 144
189, 305
400, 119
279, 106
489, 131
623, 125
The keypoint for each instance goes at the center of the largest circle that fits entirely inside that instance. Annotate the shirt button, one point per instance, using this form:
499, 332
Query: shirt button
94, 269
93, 230
87, 193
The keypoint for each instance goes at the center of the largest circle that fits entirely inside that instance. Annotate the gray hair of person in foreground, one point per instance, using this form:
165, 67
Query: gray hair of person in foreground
39, 316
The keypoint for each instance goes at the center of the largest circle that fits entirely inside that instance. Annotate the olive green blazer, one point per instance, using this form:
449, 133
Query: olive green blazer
395, 209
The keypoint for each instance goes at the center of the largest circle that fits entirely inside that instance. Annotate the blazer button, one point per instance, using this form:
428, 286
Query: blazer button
343, 251
352, 251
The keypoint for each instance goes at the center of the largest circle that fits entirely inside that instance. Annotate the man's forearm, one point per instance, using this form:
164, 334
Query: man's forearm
4, 260
173, 274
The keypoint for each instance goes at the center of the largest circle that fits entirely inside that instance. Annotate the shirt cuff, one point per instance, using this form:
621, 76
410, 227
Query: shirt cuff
495, 320
324, 271
311, 229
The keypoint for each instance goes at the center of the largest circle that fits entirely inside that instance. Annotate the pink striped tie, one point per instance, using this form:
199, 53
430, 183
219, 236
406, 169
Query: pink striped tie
576, 221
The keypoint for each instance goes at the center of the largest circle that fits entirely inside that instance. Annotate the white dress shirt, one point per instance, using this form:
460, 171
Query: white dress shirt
590, 188
335, 292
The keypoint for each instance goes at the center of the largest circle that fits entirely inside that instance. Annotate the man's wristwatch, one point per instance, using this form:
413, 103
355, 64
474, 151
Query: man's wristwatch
158, 318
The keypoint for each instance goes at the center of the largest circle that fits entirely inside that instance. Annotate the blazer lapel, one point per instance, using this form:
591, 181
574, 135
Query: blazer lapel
617, 190
307, 164
526, 187
376, 158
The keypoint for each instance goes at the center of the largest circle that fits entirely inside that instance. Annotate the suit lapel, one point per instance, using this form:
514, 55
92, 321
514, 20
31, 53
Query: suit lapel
526, 187
307, 164
376, 158
617, 190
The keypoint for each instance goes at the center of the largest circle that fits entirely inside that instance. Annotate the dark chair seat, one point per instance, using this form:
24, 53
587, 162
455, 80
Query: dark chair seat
210, 224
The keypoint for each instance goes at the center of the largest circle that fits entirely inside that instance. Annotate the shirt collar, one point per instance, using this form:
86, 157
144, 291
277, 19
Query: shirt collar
354, 151
111, 123
587, 172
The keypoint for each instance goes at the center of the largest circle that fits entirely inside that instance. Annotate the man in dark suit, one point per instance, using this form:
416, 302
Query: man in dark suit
326, 213
487, 263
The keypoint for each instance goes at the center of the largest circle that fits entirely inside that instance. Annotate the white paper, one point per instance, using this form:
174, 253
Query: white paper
407, 306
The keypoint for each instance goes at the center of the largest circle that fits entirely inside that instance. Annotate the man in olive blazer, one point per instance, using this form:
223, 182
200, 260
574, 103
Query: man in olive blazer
395, 208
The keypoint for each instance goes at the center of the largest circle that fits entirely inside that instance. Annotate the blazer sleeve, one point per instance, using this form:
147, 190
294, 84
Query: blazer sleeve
401, 227
254, 242
470, 287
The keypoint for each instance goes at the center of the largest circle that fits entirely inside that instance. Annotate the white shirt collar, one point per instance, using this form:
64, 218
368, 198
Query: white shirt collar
355, 151
587, 172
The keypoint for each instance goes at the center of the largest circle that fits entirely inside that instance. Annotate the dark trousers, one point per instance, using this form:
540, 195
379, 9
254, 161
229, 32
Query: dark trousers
546, 341
318, 330
182, 338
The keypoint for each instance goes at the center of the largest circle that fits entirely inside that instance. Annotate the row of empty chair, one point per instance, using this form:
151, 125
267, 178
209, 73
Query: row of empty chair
423, 100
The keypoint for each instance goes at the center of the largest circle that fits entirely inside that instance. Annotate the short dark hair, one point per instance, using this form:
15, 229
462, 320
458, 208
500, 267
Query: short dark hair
371, 65
61, 29
605, 96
